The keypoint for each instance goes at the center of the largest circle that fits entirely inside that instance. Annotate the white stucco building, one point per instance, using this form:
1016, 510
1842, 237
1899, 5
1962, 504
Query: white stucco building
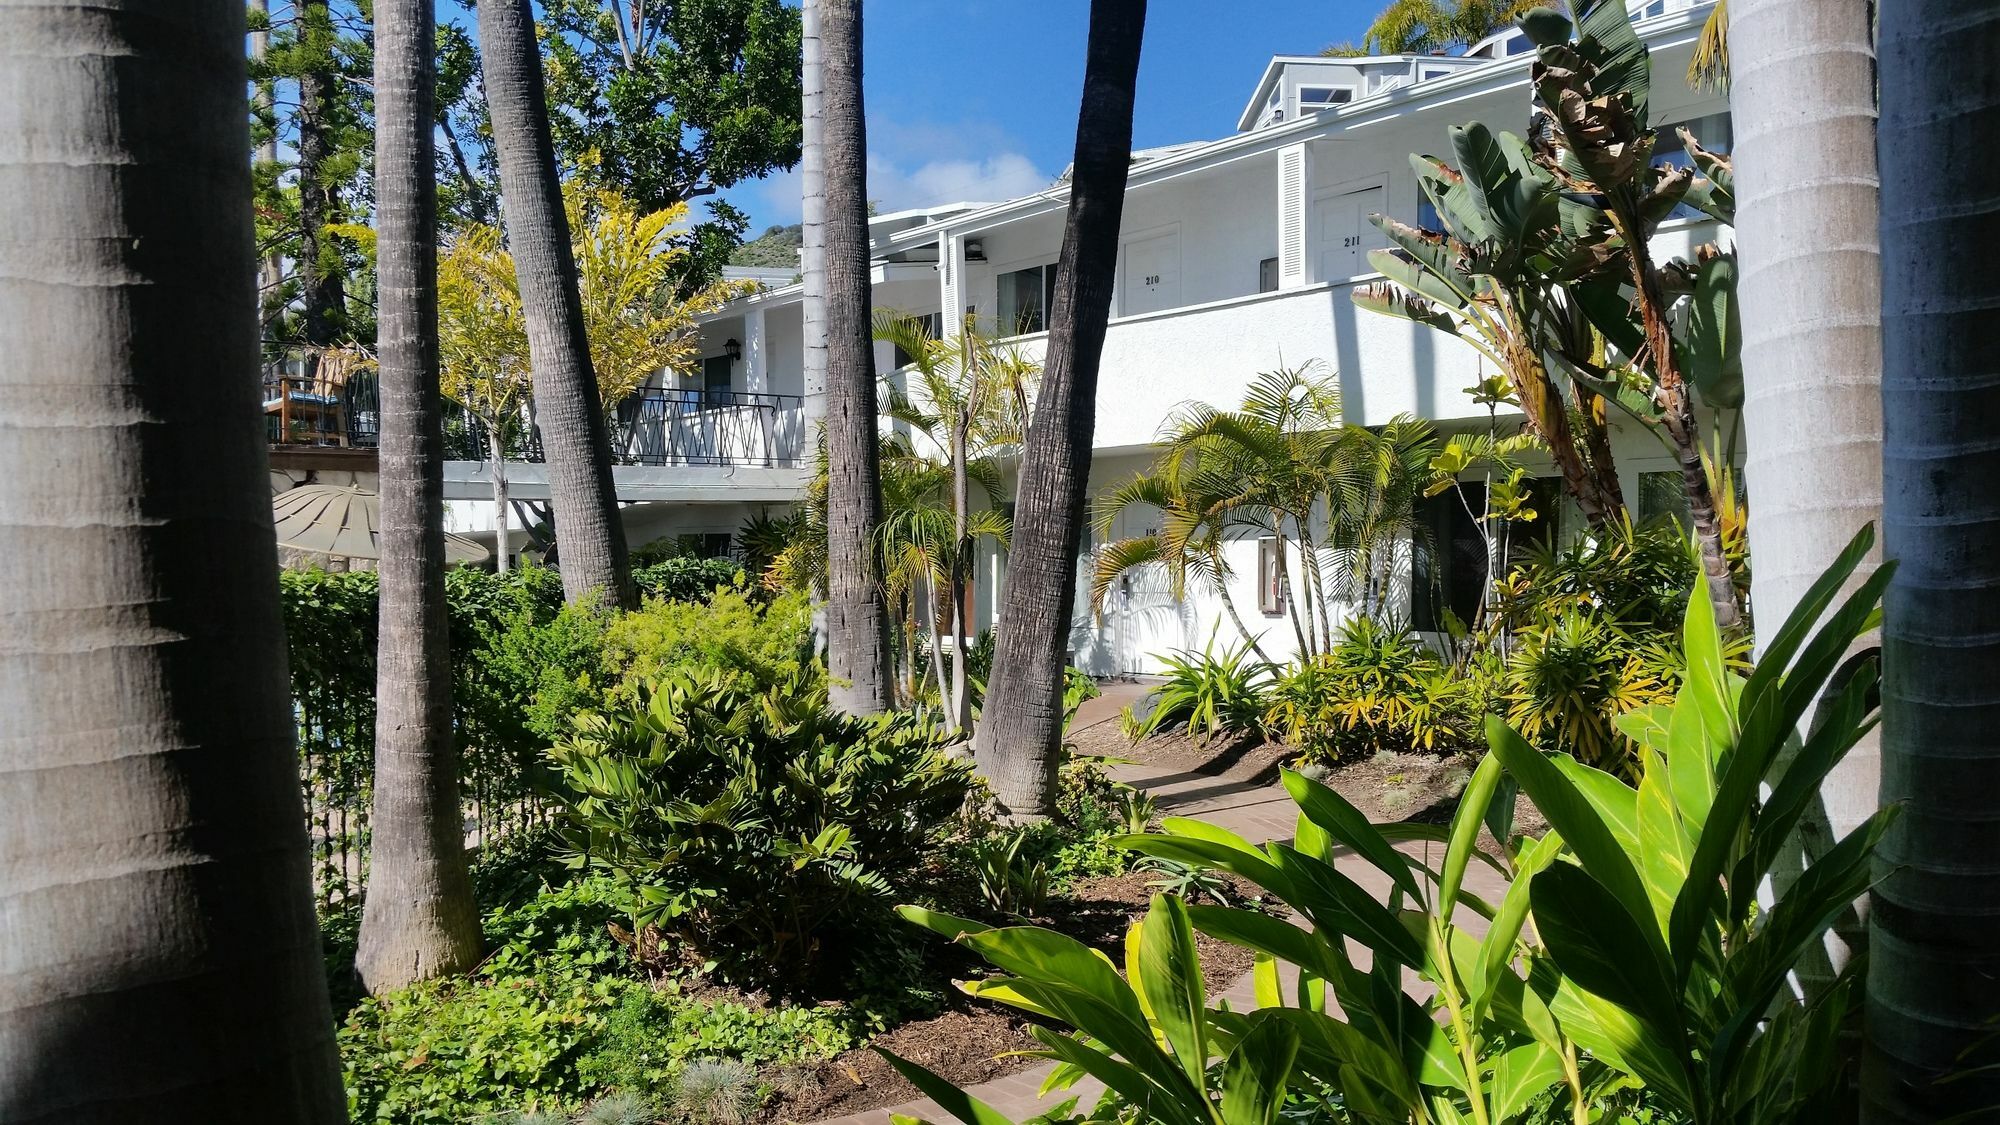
1236, 256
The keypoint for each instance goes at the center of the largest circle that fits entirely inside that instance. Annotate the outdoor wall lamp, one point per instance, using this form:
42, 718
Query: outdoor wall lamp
733, 349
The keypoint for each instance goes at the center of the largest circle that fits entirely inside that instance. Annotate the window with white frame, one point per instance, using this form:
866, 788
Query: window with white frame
1429, 73
1319, 97
1026, 297
1271, 576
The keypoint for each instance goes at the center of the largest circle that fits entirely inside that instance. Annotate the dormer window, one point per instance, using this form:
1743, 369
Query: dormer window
1316, 96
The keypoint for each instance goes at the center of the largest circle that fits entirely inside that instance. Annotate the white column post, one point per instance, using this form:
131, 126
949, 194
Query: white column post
951, 284
756, 353
1295, 238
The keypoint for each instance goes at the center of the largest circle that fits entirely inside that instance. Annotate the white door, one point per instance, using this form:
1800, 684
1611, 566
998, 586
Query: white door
1152, 274
1344, 234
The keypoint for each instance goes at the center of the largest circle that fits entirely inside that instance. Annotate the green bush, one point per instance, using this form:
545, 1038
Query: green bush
758, 827
746, 643
653, 1032
555, 1016
1206, 694
688, 579
1377, 689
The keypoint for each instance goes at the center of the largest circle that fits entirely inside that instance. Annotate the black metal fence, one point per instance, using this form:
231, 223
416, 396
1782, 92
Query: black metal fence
667, 427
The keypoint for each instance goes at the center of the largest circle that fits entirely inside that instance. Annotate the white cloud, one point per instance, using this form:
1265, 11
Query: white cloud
988, 179
912, 164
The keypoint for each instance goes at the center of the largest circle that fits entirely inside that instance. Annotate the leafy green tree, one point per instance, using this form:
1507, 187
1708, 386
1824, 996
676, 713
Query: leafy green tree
968, 399
1423, 27
314, 103
671, 101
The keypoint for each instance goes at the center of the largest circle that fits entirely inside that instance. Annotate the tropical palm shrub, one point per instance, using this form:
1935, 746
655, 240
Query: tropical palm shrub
758, 826
686, 578
747, 640
1206, 693
1569, 679
1377, 689
1651, 973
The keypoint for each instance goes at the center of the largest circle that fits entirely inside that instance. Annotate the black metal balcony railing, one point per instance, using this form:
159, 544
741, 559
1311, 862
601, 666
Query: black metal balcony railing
667, 427
326, 408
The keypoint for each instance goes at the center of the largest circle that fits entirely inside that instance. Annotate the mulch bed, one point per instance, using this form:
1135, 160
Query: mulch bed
970, 1042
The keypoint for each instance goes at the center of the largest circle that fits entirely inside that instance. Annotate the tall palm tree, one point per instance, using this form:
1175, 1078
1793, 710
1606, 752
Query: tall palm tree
418, 920
1934, 963
969, 399
595, 564
840, 351
161, 958
1019, 739
1422, 27
1807, 199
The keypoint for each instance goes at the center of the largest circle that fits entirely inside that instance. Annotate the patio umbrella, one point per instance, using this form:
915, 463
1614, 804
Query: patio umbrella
344, 520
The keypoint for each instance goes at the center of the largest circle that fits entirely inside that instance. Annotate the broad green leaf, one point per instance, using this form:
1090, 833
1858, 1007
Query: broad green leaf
1715, 335
1337, 903
1276, 937
1618, 1038
1518, 1075
1465, 825
1582, 827
1665, 849
1766, 729
1255, 1074
1705, 683
1181, 846
950, 925
1615, 802
1757, 970
1646, 725
945, 1093
1332, 813
1169, 1105
1799, 786
1170, 980
1265, 983
1605, 37
1416, 278
1600, 945
1340, 1054
1497, 947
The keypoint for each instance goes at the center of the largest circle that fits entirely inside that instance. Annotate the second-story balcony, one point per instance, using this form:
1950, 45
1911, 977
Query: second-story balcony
329, 409
661, 427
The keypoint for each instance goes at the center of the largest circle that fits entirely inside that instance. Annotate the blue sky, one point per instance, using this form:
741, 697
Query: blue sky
977, 99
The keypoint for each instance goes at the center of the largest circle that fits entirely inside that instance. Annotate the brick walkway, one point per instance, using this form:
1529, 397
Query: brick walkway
1260, 813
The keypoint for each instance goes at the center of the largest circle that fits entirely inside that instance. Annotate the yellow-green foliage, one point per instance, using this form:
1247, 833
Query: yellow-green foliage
1377, 689
750, 643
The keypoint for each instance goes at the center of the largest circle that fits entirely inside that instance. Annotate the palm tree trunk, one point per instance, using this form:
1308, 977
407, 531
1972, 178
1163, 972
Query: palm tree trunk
1019, 740
1290, 595
1811, 293
161, 958
418, 919
843, 351
1221, 585
1933, 963
958, 701
500, 528
575, 438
